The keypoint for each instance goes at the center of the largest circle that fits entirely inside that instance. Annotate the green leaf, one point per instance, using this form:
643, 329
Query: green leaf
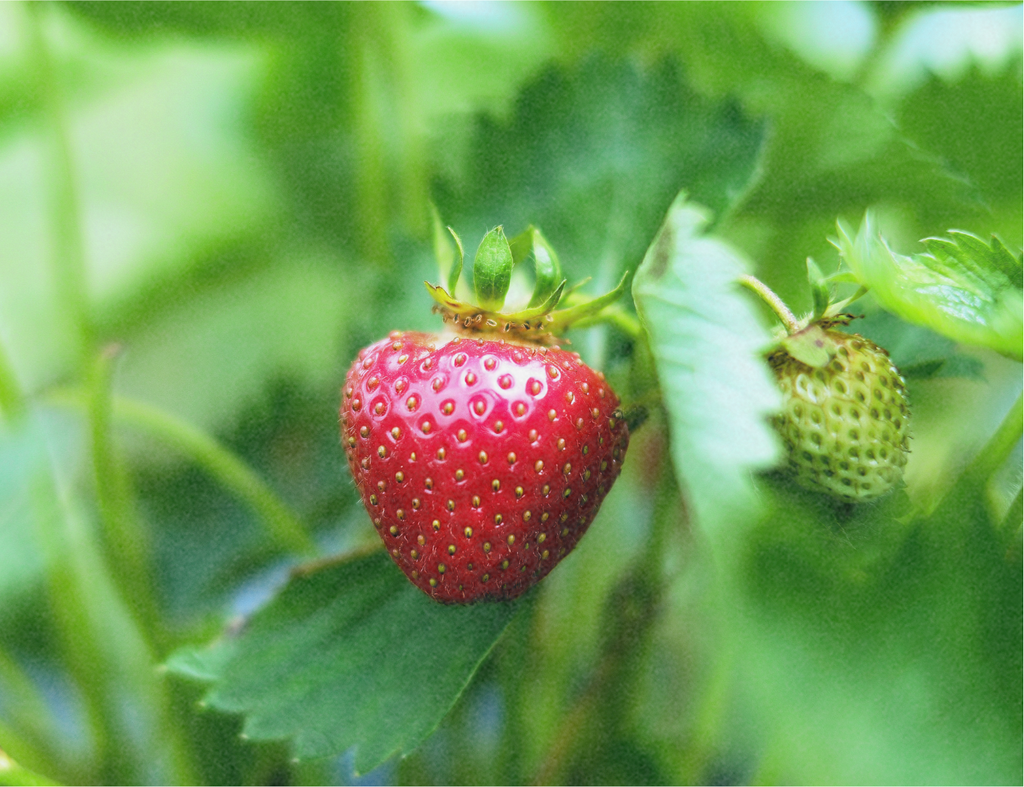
706, 343
492, 270
594, 152
918, 353
201, 664
969, 293
349, 655
975, 124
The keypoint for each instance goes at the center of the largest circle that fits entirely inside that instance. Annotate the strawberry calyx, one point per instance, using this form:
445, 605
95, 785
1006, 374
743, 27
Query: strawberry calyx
807, 339
537, 321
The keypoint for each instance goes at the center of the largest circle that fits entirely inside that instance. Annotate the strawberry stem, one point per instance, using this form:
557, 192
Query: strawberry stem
777, 305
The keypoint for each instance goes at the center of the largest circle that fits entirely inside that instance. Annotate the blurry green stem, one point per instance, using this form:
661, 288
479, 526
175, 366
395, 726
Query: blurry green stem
27, 710
283, 526
74, 584
617, 316
774, 302
999, 446
630, 613
12, 399
1013, 522
372, 203
68, 253
124, 540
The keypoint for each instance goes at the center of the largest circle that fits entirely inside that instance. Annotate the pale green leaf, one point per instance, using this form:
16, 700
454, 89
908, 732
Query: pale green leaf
706, 343
963, 288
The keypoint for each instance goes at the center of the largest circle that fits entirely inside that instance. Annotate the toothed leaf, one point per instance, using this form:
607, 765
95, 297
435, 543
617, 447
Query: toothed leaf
492, 270
963, 288
318, 665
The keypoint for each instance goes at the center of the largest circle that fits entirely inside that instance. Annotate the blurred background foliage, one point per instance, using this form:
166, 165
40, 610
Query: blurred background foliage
208, 208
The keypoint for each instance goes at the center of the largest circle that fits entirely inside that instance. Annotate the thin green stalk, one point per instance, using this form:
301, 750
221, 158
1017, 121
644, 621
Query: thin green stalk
28, 711
127, 553
68, 251
392, 32
617, 316
125, 540
774, 302
282, 525
67, 552
223, 465
1013, 521
630, 614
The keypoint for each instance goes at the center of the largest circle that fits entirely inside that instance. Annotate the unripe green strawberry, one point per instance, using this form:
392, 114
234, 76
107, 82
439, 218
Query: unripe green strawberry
845, 425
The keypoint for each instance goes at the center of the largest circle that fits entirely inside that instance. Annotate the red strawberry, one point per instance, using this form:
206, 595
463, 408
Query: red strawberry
481, 461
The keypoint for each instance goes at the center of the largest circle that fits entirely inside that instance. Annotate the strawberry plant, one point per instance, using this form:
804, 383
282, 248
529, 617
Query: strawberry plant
716, 479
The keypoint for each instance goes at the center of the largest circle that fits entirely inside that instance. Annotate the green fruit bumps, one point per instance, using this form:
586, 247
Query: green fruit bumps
846, 424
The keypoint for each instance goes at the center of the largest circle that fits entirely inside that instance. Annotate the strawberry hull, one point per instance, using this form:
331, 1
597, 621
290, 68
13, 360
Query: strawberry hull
480, 462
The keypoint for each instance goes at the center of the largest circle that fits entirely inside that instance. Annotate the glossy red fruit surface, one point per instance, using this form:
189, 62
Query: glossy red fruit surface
481, 462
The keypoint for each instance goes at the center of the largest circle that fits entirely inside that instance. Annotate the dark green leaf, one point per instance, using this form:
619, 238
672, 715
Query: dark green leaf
349, 655
595, 152
492, 270
707, 343
974, 123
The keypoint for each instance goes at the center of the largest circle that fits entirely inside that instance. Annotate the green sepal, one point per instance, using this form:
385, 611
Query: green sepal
521, 246
564, 318
810, 346
492, 270
443, 251
547, 268
456, 269
819, 288
842, 277
532, 312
